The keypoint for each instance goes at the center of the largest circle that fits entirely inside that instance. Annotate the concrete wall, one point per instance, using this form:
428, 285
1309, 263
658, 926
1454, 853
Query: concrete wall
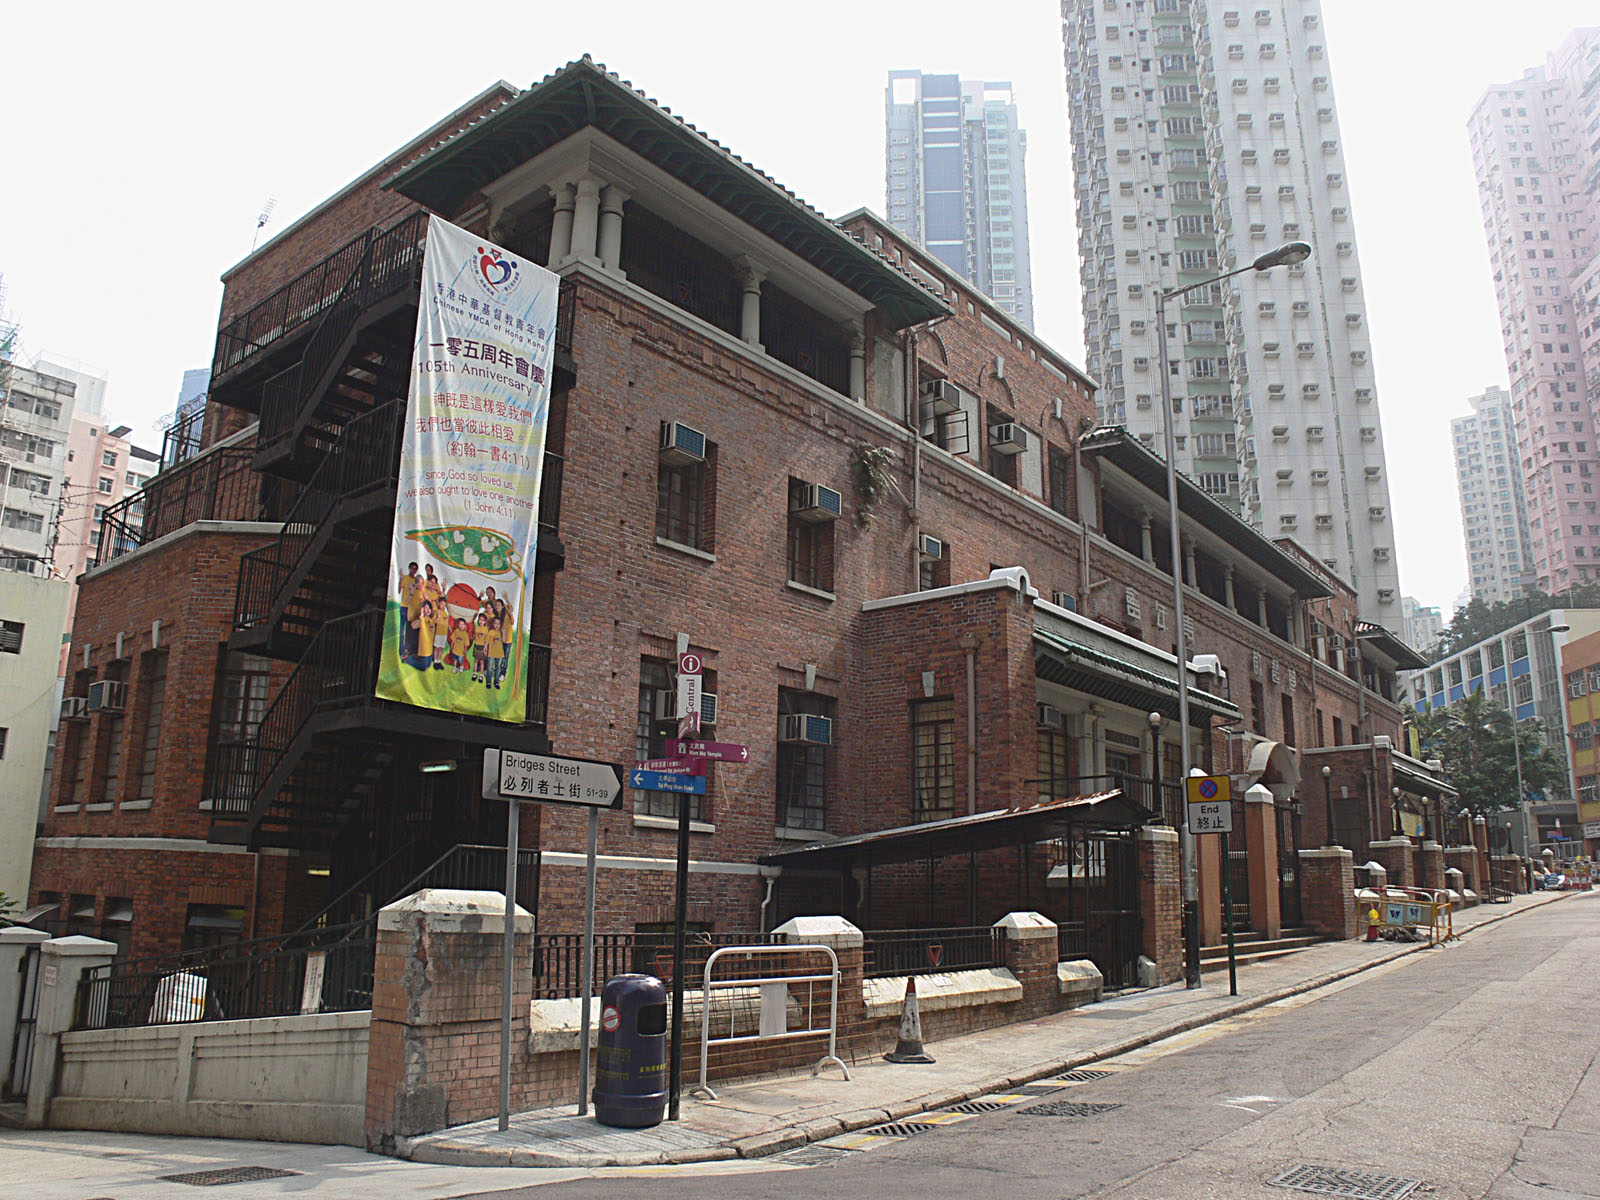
288, 1079
27, 706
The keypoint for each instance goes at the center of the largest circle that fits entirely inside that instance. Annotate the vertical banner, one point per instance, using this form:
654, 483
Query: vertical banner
466, 521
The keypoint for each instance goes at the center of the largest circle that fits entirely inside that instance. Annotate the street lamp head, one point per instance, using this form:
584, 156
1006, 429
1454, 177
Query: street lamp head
1284, 256
1327, 771
1561, 629
1155, 720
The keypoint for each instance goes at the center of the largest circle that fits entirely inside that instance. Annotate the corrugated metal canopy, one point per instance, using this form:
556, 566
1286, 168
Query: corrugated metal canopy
583, 95
1094, 672
991, 830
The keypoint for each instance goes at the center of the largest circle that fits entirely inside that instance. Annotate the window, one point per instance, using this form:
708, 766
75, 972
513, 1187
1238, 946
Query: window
1060, 481
1288, 720
803, 766
108, 458
934, 572
657, 692
933, 759
685, 495
111, 765
3, 732
106, 484
28, 522
1258, 707
117, 923
11, 637
810, 545
1052, 767
210, 925
1002, 466
155, 699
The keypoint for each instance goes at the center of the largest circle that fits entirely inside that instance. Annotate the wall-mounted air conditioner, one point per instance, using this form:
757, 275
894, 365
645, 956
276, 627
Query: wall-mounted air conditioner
807, 728
1049, 716
108, 695
930, 548
817, 503
940, 397
682, 445
1008, 438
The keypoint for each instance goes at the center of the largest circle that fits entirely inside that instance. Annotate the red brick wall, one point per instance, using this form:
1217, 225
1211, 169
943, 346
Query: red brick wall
1161, 902
1327, 892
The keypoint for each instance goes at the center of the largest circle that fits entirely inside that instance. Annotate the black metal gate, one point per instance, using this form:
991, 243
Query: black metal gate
1291, 912
1115, 930
1238, 868
19, 1068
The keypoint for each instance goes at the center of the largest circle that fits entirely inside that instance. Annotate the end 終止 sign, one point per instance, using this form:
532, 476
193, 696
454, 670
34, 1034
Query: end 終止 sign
1210, 804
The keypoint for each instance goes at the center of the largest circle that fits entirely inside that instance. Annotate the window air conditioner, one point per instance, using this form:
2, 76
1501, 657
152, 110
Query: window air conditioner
1066, 600
74, 708
108, 695
806, 728
940, 397
682, 445
1008, 438
931, 548
1049, 716
817, 503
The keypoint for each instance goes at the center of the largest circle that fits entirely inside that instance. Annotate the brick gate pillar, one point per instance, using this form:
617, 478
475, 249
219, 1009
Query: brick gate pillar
63, 962
1161, 900
848, 945
1328, 892
1397, 857
434, 1052
1430, 865
1261, 840
1031, 952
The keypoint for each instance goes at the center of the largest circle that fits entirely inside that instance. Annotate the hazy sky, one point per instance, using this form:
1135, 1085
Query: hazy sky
142, 140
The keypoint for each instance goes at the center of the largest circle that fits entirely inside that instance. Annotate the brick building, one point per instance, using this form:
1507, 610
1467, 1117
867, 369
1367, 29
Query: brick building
882, 503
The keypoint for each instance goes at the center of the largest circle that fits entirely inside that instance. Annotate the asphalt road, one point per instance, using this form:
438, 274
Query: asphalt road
1471, 1070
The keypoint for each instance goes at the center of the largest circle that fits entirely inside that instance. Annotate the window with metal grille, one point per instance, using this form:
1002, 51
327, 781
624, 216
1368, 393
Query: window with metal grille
1051, 764
802, 767
11, 636
933, 759
155, 698
1061, 481
651, 734
810, 545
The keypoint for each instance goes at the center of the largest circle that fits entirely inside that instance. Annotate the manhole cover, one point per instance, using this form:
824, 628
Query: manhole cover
899, 1128
1083, 1076
1067, 1108
1354, 1185
228, 1175
813, 1156
975, 1106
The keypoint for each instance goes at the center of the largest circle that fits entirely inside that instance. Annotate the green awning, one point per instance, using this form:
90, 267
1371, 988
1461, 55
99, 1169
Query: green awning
1083, 668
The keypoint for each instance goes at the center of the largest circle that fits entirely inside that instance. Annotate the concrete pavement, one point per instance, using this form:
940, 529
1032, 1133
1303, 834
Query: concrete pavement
762, 1117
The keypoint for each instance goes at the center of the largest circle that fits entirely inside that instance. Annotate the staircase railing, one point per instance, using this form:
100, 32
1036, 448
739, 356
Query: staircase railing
389, 260
216, 486
365, 456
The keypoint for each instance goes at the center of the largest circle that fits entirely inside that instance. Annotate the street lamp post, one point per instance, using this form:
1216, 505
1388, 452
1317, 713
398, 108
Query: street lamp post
1327, 803
1155, 720
1291, 252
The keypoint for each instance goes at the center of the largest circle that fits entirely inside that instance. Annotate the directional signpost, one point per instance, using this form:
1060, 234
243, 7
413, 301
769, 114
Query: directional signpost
716, 751
663, 781
1211, 811
513, 776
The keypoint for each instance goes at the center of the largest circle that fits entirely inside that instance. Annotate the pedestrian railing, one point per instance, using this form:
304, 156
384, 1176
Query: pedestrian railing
894, 952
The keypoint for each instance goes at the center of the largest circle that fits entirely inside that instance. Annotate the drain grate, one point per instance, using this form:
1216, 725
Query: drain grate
813, 1156
1352, 1185
975, 1106
899, 1129
1068, 1108
1083, 1076
229, 1175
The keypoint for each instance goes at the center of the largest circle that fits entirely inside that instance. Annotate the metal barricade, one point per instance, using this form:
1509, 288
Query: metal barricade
774, 1002
1418, 908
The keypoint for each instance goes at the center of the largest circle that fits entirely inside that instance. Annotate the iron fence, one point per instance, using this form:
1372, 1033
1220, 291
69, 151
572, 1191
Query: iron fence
558, 958
1072, 940
322, 970
926, 951
216, 486
1162, 797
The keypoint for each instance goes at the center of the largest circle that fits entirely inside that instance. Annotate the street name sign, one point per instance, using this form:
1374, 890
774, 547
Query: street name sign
1210, 804
513, 775
664, 781
672, 766
718, 751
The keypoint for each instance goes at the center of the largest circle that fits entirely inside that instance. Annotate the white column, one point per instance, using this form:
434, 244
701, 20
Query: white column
612, 198
1146, 547
585, 221
1227, 586
1261, 609
62, 962
1189, 574
858, 364
14, 945
561, 229
751, 275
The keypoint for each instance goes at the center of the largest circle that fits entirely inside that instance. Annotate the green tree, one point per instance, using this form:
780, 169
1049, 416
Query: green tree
1479, 620
1478, 742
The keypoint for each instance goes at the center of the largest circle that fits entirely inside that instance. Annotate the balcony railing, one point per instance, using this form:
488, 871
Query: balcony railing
1164, 798
216, 486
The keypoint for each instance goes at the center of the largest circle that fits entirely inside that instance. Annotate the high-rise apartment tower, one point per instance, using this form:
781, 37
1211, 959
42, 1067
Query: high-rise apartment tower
1203, 135
1536, 151
954, 170
1494, 513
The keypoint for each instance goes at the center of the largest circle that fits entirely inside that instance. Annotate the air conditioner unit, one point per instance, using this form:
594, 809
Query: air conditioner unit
682, 445
1385, 595
1324, 520
74, 708
817, 503
930, 548
940, 397
1049, 716
108, 695
1314, 432
708, 708
1288, 520
1376, 512
1380, 553
1008, 438
1373, 472
1066, 600
667, 705
806, 728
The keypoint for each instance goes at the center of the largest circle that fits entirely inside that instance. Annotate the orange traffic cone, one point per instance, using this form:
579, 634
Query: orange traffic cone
909, 1048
